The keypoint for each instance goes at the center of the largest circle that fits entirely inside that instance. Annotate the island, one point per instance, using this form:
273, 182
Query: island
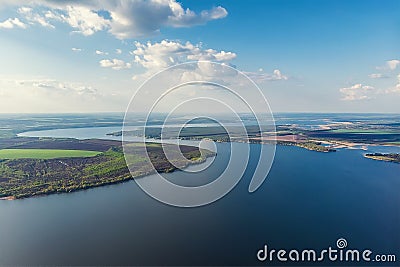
42, 166
392, 157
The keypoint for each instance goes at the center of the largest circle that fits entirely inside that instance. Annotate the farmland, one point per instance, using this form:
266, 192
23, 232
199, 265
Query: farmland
35, 170
44, 153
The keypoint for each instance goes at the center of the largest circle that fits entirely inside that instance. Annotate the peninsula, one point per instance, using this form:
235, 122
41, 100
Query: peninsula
36, 166
393, 157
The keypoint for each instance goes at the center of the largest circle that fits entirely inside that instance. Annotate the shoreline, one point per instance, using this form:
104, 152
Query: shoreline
8, 198
394, 158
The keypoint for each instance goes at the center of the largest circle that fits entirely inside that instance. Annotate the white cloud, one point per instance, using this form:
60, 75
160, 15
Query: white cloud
41, 21
277, 75
25, 10
140, 18
393, 64
34, 18
156, 56
118, 51
84, 20
357, 92
54, 86
98, 52
123, 19
49, 95
213, 55
115, 64
80, 16
76, 49
396, 88
398, 84
46, 88
52, 15
377, 76
11, 23
185, 18
262, 76
387, 72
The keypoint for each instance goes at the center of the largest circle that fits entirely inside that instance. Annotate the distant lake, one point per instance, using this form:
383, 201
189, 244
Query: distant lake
309, 200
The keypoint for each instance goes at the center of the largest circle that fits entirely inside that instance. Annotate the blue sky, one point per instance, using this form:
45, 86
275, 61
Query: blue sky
306, 56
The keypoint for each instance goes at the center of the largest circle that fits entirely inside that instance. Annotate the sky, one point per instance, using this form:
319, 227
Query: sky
304, 55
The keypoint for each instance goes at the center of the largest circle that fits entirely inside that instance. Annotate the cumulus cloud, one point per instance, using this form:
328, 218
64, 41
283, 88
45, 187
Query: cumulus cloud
118, 51
25, 10
184, 18
277, 75
140, 18
357, 92
34, 18
396, 88
156, 56
98, 52
378, 76
122, 18
262, 76
84, 20
393, 64
74, 49
387, 72
115, 64
11, 23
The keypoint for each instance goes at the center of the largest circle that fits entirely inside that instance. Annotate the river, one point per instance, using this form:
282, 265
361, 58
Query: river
308, 200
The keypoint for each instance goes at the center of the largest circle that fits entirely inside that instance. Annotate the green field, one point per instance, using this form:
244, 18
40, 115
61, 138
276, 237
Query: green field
44, 153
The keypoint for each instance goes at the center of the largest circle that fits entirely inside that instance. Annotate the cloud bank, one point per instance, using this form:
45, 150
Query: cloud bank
123, 19
12, 23
115, 64
356, 92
